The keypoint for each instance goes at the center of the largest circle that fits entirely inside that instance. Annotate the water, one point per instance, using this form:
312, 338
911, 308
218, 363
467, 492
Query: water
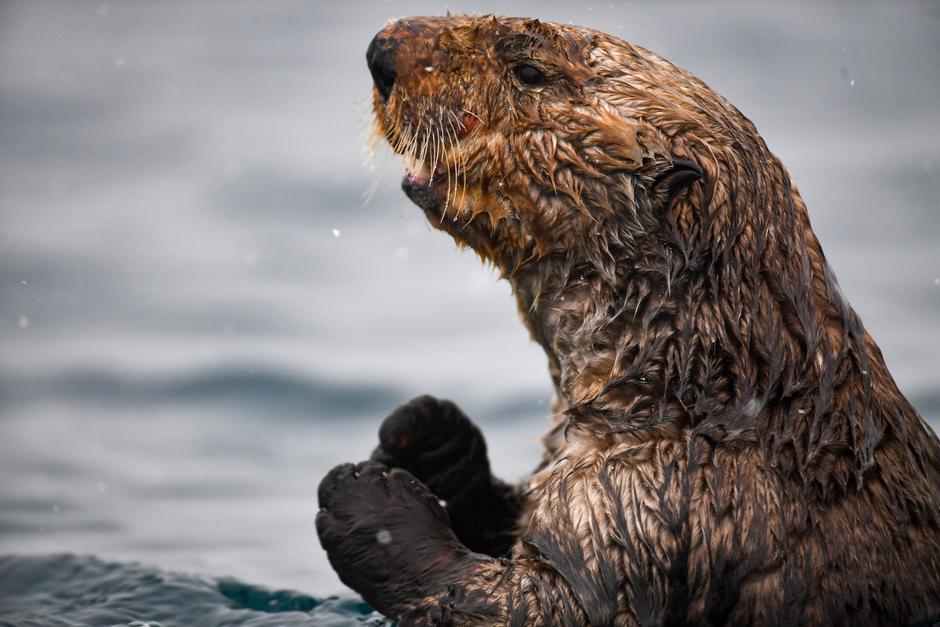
199, 316
91, 592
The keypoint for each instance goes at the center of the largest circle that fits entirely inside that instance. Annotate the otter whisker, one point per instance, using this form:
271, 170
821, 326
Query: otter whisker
459, 170
371, 149
450, 149
425, 143
369, 194
405, 139
412, 148
432, 159
454, 151
408, 140
396, 136
458, 161
463, 169
447, 149
408, 150
438, 144
408, 137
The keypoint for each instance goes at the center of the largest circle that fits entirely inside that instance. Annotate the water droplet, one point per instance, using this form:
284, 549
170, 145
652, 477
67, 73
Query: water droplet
101, 486
336, 233
383, 536
753, 408
24, 322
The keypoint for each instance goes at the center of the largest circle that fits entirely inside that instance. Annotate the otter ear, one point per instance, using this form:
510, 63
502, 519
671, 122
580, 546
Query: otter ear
680, 175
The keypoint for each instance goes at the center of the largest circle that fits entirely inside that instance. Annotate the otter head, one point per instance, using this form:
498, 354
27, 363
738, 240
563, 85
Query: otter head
526, 140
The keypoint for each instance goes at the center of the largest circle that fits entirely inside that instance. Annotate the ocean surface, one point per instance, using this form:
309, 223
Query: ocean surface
200, 314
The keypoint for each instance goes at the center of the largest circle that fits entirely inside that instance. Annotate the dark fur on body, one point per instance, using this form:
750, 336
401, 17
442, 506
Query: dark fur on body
729, 446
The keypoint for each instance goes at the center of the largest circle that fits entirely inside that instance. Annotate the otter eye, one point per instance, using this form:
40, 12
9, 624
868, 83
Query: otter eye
529, 75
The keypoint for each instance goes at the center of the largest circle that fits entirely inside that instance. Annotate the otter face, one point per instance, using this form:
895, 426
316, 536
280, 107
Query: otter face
522, 139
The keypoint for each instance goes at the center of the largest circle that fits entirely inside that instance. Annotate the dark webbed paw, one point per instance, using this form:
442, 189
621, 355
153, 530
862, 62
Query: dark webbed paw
438, 444
385, 535
433, 440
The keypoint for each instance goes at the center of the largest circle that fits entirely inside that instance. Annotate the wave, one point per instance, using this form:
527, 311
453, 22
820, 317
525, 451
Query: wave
275, 392
71, 589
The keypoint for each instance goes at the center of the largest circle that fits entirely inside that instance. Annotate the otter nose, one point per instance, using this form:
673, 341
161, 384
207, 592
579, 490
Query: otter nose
381, 59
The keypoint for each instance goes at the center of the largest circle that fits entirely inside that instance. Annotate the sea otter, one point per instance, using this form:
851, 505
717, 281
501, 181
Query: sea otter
728, 445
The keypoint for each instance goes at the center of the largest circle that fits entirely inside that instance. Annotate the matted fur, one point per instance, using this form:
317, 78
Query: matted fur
729, 446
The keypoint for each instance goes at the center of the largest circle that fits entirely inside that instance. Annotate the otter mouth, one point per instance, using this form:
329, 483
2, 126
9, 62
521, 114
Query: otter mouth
425, 186
417, 124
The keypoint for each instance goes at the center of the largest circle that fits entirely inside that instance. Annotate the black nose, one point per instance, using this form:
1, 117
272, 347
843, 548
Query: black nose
381, 59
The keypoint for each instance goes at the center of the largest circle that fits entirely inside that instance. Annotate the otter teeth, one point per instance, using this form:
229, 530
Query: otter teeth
418, 173
421, 173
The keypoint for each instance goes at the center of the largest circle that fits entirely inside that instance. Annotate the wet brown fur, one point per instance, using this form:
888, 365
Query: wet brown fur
729, 445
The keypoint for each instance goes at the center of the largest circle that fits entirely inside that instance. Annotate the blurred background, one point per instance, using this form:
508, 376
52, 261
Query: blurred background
200, 314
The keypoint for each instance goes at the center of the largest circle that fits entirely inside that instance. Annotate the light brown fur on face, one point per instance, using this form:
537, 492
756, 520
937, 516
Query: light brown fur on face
530, 172
729, 446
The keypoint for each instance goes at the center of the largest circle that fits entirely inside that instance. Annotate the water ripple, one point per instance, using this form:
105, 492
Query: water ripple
82, 590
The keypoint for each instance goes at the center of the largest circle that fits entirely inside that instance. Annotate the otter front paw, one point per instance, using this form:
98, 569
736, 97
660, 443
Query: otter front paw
437, 443
385, 535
